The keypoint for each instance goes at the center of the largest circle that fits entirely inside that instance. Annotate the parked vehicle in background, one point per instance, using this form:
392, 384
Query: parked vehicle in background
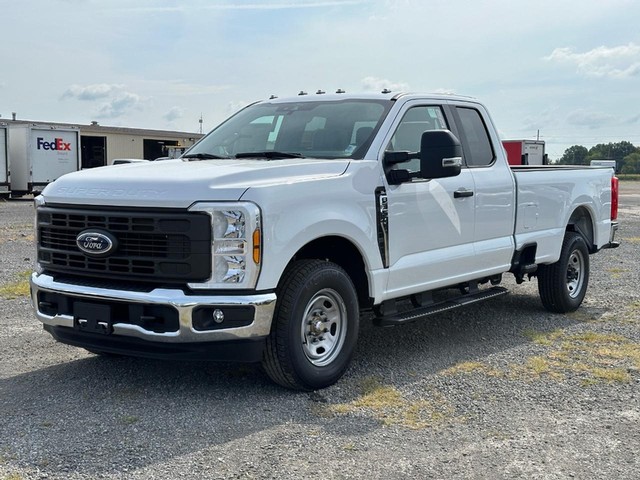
122, 161
525, 152
604, 163
4, 162
276, 230
39, 154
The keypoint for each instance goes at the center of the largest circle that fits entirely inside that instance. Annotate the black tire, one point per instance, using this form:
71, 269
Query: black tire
315, 326
563, 285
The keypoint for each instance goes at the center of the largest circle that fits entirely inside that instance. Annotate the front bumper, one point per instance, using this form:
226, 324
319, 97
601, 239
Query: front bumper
124, 334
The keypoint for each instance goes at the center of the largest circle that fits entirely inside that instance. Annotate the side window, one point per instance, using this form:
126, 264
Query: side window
480, 151
408, 134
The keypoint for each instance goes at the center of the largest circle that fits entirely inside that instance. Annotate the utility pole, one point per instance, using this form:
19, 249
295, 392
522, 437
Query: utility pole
200, 121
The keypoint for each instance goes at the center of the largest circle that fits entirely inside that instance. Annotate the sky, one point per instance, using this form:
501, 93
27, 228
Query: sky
567, 71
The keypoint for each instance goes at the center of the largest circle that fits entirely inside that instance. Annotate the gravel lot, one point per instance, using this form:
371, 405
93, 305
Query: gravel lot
501, 390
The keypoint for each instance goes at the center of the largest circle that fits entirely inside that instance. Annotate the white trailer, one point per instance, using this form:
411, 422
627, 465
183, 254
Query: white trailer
39, 154
4, 161
525, 152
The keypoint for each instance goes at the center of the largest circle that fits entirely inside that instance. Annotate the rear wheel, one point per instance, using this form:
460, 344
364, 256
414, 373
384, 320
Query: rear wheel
315, 326
563, 285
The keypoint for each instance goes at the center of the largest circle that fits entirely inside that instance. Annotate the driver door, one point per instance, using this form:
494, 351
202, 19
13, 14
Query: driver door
431, 221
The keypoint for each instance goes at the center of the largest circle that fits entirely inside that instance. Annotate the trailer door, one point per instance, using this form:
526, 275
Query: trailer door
53, 153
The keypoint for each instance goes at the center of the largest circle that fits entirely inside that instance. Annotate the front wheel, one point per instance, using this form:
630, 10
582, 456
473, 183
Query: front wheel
315, 326
563, 285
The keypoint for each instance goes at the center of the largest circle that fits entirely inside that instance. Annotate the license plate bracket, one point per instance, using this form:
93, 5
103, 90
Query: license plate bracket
92, 317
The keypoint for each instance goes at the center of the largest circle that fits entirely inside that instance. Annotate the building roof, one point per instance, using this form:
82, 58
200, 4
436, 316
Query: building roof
95, 128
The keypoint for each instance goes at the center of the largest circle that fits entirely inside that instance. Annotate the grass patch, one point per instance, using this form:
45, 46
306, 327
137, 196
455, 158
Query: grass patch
19, 288
13, 233
13, 476
591, 357
596, 357
542, 338
630, 177
387, 404
616, 272
129, 419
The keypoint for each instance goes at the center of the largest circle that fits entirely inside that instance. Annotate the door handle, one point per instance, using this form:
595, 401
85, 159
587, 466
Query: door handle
462, 193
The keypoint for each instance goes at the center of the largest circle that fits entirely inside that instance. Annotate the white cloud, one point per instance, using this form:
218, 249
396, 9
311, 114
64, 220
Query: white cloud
622, 61
119, 102
120, 105
91, 92
589, 118
379, 84
173, 114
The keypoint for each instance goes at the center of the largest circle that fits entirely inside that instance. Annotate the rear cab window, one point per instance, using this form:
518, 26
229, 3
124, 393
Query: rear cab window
476, 142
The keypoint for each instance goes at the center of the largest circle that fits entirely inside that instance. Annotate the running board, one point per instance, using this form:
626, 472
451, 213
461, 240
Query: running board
421, 312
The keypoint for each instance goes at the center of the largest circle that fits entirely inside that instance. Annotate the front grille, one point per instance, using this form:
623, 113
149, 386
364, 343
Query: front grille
152, 245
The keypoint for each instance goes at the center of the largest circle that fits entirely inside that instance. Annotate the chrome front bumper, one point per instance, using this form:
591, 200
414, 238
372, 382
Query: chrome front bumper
263, 304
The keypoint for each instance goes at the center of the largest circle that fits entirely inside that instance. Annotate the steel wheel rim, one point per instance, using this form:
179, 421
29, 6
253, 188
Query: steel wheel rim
575, 273
324, 327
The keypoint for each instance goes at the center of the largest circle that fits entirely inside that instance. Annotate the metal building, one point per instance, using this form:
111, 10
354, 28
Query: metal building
100, 145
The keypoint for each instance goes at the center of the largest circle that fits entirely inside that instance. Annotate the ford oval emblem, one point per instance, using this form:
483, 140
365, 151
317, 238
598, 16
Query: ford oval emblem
96, 243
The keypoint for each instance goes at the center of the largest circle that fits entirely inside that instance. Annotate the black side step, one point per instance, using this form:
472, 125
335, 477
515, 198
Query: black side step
421, 312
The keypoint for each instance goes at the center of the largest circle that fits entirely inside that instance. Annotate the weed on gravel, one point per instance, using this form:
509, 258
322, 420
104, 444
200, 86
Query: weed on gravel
389, 406
589, 356
13, 233
18, 288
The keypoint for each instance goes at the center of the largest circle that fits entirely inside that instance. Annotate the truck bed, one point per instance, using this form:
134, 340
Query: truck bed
547, 196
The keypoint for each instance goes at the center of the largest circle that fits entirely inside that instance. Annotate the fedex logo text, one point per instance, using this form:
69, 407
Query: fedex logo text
57, 144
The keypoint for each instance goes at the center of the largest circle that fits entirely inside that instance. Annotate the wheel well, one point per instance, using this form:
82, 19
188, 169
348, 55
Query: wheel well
344, 253
581, 222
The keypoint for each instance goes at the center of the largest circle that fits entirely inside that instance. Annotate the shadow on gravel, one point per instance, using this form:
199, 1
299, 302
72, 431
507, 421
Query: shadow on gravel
95, 414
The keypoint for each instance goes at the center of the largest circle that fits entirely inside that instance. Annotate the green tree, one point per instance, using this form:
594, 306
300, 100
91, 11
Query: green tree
574, 155
611, 151
631, 163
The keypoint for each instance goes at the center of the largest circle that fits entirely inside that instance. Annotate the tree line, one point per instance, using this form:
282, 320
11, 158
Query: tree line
626, 155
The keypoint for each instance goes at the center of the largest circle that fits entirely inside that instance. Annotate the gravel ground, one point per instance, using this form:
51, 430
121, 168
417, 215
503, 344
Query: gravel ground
501, 390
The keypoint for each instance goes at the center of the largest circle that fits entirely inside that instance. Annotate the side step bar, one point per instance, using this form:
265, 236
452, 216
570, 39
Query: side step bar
421, 312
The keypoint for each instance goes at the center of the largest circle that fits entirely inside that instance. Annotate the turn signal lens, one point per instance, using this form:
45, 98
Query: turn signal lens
257, 247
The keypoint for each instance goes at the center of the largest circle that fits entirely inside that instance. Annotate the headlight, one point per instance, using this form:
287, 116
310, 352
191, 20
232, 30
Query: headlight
236, 248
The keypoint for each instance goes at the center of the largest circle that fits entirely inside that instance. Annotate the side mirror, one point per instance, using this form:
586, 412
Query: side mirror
440, 154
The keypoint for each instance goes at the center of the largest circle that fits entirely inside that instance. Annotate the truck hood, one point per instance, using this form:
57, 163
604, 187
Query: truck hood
178, 183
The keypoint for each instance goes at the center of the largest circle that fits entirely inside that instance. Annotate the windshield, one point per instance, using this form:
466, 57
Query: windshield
312, 129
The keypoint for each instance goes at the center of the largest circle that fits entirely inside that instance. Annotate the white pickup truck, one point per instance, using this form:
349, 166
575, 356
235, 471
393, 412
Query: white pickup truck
270, 239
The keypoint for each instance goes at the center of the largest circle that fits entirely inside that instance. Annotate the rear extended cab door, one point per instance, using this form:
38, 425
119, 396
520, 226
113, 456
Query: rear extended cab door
449, 230
495, 192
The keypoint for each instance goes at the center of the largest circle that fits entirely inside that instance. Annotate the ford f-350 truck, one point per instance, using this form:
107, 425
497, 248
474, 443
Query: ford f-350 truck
269, 238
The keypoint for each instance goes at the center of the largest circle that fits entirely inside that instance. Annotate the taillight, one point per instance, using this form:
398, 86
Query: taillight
614, 198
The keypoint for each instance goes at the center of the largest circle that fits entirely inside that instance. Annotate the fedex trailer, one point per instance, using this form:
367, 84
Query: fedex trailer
525, 152
39, 154
4, 162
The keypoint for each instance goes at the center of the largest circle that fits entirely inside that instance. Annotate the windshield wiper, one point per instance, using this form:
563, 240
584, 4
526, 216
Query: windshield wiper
203, 156
270, 154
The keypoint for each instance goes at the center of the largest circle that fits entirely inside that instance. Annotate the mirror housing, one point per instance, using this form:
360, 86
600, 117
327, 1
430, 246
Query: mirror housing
440, 154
